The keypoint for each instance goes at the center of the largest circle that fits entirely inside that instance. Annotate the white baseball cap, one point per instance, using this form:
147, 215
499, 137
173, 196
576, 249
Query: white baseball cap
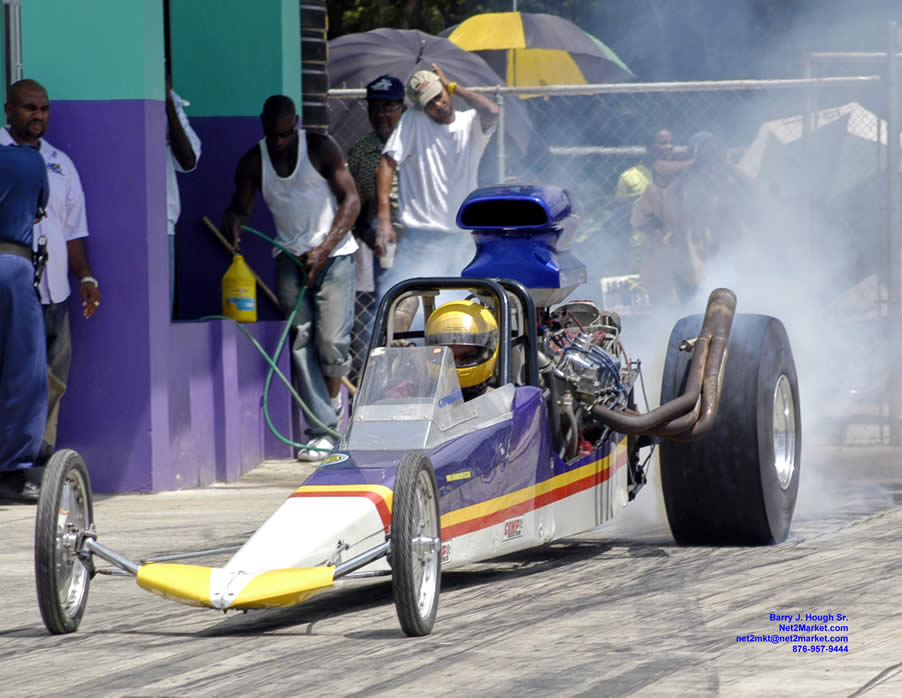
423, 87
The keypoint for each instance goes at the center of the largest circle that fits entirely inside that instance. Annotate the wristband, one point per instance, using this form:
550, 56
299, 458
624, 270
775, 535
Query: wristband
451, 87
90, 280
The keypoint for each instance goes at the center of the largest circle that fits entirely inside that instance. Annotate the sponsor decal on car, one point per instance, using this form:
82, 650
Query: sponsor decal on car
513, 528
465, 475
336, 458
451, 398
446, 552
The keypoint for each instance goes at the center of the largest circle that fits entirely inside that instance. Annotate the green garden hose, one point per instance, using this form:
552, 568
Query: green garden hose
272, 360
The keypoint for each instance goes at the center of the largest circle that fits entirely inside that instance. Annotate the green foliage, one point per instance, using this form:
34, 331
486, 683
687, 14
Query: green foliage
432, 16
666, 39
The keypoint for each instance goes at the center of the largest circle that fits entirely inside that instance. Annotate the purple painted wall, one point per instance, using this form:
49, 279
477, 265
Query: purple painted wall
215, 419
153, 405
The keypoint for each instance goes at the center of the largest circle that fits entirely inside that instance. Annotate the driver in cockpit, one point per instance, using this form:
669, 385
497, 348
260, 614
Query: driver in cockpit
471, 332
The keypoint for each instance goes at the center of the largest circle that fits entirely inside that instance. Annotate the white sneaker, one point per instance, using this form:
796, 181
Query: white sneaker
308, 454
338, 404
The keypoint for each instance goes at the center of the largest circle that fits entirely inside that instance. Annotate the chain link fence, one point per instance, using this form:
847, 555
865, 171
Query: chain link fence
814, 150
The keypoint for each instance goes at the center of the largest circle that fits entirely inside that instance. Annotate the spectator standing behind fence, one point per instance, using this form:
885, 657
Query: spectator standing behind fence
385, 105
657, 165
65, 227
680, 223
436, 151
23, 358
182, 154
633, 181
314, 203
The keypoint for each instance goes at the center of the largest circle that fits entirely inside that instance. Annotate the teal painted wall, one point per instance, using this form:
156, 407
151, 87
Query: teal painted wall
87, 50
228, 56
164, 424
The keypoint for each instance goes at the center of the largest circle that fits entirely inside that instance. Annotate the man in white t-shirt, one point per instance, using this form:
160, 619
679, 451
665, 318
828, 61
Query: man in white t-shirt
182, 154
65, 227
437, 152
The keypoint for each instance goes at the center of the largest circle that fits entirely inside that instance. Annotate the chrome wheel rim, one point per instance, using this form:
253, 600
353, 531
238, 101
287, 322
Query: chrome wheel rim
785, 432
72, 518
425, 544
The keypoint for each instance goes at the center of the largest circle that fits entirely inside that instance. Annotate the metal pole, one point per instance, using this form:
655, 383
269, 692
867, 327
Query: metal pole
101, 551
809, 101
365, 558
895, 231
861, 81
499, 134
15, 41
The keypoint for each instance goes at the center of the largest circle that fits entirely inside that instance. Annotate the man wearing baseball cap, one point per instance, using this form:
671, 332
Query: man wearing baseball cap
436, 150
385, 105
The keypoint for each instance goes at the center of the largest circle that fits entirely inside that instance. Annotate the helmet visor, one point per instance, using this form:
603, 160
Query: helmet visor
466, 356
468, 349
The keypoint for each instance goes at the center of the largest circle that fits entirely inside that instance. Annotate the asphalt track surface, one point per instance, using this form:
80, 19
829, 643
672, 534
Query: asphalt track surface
620, 611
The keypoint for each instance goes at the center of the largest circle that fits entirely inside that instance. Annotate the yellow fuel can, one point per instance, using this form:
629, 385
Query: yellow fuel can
239, 292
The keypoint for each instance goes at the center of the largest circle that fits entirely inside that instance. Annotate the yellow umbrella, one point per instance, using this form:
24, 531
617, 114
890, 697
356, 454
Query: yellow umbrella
538, 49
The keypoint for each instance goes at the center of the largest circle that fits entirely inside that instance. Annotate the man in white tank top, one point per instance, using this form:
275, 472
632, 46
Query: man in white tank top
314, 203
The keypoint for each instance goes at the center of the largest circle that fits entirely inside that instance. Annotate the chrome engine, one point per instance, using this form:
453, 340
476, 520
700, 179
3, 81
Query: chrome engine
583, 345
582, 365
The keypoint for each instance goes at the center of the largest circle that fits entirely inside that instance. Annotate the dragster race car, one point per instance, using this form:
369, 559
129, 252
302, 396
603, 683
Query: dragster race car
426, 480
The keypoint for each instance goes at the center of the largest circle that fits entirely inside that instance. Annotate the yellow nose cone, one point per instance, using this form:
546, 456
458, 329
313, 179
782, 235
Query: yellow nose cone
218, 588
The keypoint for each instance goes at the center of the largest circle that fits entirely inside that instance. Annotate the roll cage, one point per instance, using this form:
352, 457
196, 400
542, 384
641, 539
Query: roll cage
514, 309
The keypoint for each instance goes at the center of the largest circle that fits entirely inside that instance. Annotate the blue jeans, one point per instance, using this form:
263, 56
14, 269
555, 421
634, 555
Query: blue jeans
427, 253
321, 332
23, 365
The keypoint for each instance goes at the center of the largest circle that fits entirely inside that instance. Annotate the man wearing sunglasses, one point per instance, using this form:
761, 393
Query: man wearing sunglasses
314, 203
385, 105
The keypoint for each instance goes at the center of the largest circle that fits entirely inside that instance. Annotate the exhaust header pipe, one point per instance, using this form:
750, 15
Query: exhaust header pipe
692, 414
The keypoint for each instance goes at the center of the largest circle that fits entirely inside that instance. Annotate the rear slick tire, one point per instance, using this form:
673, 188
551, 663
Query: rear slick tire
738, 484
65, 510
416, 545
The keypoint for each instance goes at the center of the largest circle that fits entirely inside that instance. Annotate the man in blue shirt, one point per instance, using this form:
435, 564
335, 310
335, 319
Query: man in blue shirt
23, 358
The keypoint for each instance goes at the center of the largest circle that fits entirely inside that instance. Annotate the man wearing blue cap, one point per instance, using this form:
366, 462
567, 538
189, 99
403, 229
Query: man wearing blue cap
23, 358
385, 105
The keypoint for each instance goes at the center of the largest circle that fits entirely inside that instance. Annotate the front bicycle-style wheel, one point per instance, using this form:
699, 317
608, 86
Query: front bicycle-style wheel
65, 513
416, 545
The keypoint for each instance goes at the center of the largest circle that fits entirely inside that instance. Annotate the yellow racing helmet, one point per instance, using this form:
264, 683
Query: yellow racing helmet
471, 332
